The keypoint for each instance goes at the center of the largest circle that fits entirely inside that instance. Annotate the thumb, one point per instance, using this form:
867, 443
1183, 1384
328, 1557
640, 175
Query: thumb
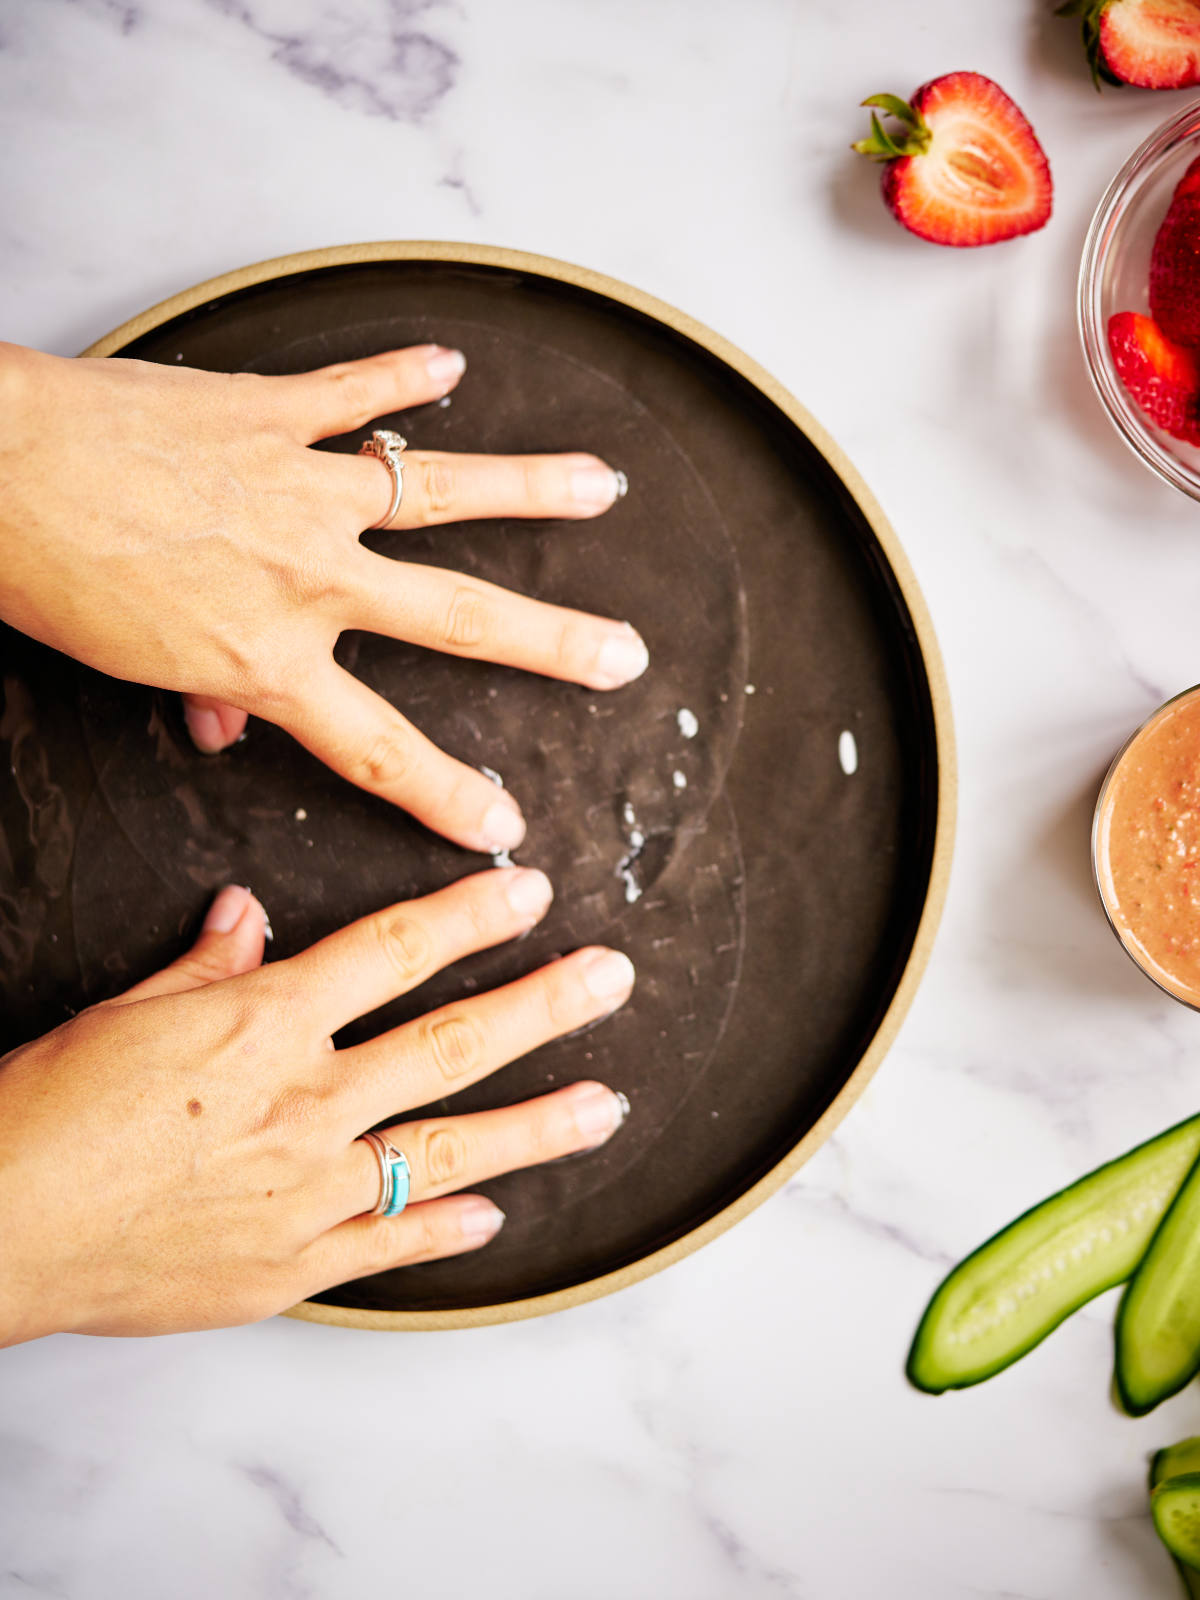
212, 724
230, 942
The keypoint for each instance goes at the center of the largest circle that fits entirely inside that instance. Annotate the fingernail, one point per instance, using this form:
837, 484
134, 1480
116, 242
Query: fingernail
226, 910
621, 658
480, 1219
445, 366
608, 975
204, 726
503, 826
594, 488
598, 1112
529, 891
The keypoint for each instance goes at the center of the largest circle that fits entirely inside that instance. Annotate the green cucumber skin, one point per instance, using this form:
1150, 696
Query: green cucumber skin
1188, 1577
1175, 1460
1147, 1303
1186, 1485
928, 1371
1172, 1462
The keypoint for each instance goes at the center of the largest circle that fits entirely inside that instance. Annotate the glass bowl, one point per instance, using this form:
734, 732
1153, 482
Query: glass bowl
1115, 276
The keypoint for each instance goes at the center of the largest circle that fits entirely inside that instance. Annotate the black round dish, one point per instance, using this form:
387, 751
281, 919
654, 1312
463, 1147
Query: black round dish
781, 907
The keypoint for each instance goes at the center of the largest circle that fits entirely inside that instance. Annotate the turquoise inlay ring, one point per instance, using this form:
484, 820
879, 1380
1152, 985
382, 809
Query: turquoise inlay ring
395, 1176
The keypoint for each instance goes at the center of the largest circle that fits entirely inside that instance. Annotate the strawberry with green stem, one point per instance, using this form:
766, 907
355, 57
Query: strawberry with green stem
965, 167
1153, 44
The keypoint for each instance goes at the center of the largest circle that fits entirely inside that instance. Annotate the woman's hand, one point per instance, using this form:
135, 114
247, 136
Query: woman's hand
188, 1155
173, 527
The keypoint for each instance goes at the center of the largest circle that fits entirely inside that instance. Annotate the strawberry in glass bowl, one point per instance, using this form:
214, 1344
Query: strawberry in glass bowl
1139, 301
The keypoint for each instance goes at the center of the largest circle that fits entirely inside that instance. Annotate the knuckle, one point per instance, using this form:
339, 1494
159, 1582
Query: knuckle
406, 945
445, 1157
295, 1114
486, 911
371, 1249
384, 764
455, 1044
542, 485
467, 624
204, 966
311, 577
565, 1001
439, 487
424, 1238
566, 649
353, 392
565, 997
548, 1135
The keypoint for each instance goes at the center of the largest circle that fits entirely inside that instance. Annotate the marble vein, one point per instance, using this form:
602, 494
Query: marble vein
125, 17
290, 1505
368, 58
38, 1583
456, 180
746, 1565
1137, 1514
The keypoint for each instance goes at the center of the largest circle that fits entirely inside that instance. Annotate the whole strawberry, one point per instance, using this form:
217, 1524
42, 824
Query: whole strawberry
967, 168
1162, 377
1175, 264
1154, 44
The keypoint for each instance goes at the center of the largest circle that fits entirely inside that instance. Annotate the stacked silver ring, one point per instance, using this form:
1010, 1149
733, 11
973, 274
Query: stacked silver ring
395, 1176
389, 448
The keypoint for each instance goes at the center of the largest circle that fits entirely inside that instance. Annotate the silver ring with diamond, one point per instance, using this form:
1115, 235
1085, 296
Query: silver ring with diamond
389, 448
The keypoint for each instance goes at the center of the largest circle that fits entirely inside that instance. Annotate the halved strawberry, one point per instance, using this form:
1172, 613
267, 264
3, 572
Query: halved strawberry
968, 169
1175, 263
1154, 44
1161, 377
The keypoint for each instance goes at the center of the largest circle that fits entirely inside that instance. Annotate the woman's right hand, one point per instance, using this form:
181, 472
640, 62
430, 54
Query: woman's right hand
175, 528
188, 1155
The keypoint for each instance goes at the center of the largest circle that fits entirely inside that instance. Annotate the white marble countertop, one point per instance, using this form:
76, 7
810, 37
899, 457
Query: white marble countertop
738, 1426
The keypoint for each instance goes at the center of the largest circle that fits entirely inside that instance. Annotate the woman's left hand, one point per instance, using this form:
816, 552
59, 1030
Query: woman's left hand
189, 1154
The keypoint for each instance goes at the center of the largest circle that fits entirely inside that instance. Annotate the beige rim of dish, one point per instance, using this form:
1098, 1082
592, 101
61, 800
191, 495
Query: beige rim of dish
659, 311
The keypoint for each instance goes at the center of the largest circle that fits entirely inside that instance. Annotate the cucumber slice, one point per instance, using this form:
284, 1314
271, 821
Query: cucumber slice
1158, 1323
1175, 1506
1018, 1287
1175, 1460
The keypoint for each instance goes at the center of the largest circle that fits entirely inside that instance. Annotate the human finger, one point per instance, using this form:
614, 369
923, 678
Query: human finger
366, 740
449, 1153
231, 941
349, 394
395, 950
457, 1045
440, 486
213, 725
462, 616
428, 1232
